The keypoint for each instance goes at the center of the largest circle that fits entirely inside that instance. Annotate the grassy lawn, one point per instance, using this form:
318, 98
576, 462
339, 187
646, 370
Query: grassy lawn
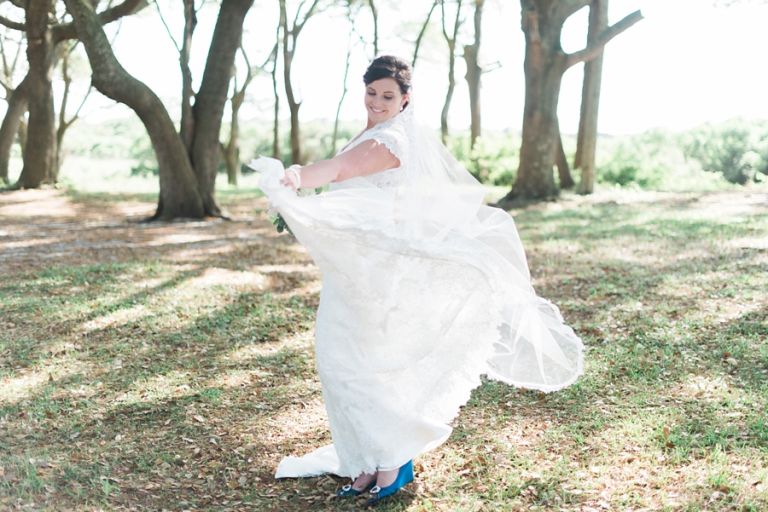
170, 366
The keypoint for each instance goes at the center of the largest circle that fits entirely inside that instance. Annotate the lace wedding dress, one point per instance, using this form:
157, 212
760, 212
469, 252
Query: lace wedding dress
424, 289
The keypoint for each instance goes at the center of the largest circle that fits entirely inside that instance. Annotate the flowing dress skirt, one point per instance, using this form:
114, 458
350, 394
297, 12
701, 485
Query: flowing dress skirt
416, 304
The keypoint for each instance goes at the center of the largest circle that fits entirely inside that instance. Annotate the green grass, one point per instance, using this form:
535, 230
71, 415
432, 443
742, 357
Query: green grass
171, 366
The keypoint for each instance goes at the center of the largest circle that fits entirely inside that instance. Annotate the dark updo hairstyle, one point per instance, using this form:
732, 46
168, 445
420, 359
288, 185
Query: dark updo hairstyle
389, 66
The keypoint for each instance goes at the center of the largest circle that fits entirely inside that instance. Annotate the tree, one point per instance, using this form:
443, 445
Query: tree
450, 39
561, 161
420, 37
231, 149
291, 34
187, 124
352, 11
586, 140
40, 151
36, 93
375, 16
544, 65
474, 73
13, 124
66, 52
187, 177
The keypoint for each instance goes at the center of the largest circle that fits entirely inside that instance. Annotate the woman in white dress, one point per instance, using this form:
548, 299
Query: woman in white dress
424, 289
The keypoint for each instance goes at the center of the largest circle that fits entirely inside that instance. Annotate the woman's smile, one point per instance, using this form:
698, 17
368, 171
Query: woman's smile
383, 100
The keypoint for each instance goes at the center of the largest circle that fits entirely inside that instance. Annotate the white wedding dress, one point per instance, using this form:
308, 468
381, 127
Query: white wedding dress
424, 289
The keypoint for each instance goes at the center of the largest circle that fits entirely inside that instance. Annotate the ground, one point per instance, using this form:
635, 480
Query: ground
169, 366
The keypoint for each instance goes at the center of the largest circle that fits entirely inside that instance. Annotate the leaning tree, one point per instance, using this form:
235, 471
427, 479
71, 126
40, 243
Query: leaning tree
545, 63
187, 166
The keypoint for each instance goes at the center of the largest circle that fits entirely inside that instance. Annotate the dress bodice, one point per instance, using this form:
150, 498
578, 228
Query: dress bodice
393, 135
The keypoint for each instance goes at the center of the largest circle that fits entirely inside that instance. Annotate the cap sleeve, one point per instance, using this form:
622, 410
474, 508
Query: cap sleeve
390, 133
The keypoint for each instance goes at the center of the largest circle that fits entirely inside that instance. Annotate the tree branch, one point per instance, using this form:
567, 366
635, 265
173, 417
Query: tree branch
298, 27
127, 7
167, 28
423, 30
12, 24
594, 49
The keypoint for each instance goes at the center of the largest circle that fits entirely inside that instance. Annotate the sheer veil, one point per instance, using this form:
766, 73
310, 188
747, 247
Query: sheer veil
435, 220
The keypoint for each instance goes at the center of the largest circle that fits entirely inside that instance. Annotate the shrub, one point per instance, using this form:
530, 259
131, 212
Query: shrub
737, 149
639, 160
494, 158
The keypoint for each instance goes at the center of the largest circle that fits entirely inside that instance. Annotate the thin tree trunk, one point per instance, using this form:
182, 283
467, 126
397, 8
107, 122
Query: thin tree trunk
563, 170
64, 123
12, 125
179, 196
22, 133
375, 16
289, 42
290, 39
420, 37
212, 97
187, 126
586, 141
451, 41
276, 108
344, 91
40, 152
474, 74
232, 149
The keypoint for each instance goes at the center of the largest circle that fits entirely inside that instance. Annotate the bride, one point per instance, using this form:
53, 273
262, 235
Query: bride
424, 289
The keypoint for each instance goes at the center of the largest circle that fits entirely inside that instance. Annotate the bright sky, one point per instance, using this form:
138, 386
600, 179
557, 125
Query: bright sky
687, 63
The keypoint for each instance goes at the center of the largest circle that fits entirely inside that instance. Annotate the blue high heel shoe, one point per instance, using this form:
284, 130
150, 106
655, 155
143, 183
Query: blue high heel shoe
348, 492
404, 477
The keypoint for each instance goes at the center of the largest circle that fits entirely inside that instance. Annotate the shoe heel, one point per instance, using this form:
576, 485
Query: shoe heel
404, 477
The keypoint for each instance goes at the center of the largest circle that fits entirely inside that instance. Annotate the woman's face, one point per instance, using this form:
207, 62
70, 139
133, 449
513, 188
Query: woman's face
383, 100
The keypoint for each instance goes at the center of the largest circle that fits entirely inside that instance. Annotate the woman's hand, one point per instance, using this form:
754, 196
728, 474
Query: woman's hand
292, 177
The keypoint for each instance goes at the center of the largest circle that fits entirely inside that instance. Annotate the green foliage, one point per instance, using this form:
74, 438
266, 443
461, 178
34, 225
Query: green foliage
494, 158
737, 149
705, 158
641, 160
142, 152
651, 160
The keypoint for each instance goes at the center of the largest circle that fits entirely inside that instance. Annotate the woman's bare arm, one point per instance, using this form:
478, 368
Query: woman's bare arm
366, 158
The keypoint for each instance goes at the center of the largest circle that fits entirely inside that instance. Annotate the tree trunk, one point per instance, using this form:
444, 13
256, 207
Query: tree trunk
563, 170
451, 41
535, 179
212, 97
586, 141
179, 196
417, 44
344, 88
12, 125
40, 152
289, 45
545, 62
187, 125
232, 149
448, 98
474, 74
276, 108
544, 66
375, 16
